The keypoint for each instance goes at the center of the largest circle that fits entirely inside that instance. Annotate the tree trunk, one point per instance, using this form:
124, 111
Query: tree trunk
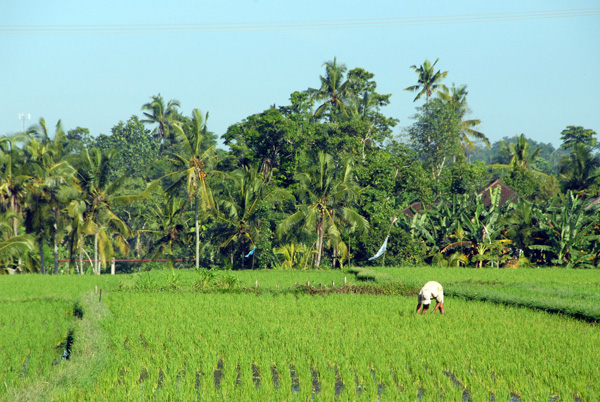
13, 205
55, 254
80, 261
197, 234
96, 262
42, 262
243, 256
320, 234
334, 261
349, 251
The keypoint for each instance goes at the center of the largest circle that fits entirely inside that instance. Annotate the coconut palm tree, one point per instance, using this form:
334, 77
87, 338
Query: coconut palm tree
242, 195
158, 113
327, 193
191, 167
519, 152
580, 169
47, 193
93, 211
52, 181
429, 80
333, 90
168, 227
13, 179
457, 97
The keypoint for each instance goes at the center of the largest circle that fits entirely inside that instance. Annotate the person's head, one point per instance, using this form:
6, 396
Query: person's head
426, 297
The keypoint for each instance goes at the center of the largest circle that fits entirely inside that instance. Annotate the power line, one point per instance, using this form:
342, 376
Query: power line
295, 25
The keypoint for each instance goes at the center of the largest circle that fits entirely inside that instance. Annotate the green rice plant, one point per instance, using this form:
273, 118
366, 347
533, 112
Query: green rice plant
175, 345
567, 291
206, 279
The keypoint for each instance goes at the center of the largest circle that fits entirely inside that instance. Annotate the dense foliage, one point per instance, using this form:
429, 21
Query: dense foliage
316, 183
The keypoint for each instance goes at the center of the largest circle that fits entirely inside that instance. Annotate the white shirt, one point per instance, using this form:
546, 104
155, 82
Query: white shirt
431, 290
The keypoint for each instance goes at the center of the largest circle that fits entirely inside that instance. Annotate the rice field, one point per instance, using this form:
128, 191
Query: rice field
574, 292
191, 344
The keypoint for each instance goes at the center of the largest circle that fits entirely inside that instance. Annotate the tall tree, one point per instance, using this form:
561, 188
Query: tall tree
436, 136
138, 150
269, 140
243, 194
76, 140
580, 169
95, 205
520, 152
13, 179
428, 80
158, 113
168, 227
333, 90
573, 135
327, 194
49, 188
457, 98
191, 170
11, 247
364, 105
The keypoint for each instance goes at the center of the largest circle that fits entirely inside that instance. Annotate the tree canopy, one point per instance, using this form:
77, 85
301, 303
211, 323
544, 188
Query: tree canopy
319, 182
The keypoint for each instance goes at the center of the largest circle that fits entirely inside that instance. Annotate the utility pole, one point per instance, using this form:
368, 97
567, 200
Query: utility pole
23, 117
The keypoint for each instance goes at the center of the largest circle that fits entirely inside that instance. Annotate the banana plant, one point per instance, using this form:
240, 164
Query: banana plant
482, 227
570, 228
292, 255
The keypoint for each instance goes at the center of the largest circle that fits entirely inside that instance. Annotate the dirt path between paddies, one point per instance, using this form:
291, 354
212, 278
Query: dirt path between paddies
88, 358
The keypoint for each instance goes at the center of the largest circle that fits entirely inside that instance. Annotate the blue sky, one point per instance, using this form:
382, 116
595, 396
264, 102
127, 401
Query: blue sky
529, 75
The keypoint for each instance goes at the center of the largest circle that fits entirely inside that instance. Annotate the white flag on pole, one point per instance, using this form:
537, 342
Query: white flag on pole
381, 250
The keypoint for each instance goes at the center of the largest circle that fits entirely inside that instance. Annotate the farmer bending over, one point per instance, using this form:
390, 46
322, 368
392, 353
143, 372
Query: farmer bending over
431, 290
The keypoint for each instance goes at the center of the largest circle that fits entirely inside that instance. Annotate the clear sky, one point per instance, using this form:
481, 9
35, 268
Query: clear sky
531, 66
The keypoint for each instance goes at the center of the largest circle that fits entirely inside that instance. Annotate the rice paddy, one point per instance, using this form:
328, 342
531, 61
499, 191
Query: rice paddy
191, 343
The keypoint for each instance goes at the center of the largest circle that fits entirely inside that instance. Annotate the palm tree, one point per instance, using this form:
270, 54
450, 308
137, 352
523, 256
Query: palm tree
13, 179
334, 90
50, 186
429, 80
457, 97
191, 165
520, 152
522, 225
45, 201
245, 193
326, 192
579, 170
93, 211
168, 227
13, 247
161, 115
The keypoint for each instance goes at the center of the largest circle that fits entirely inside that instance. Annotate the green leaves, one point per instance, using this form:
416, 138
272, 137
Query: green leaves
429, 80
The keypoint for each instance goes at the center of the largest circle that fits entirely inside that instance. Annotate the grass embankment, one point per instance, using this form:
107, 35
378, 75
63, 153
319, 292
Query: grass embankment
572, 292
37, 315
256, 282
